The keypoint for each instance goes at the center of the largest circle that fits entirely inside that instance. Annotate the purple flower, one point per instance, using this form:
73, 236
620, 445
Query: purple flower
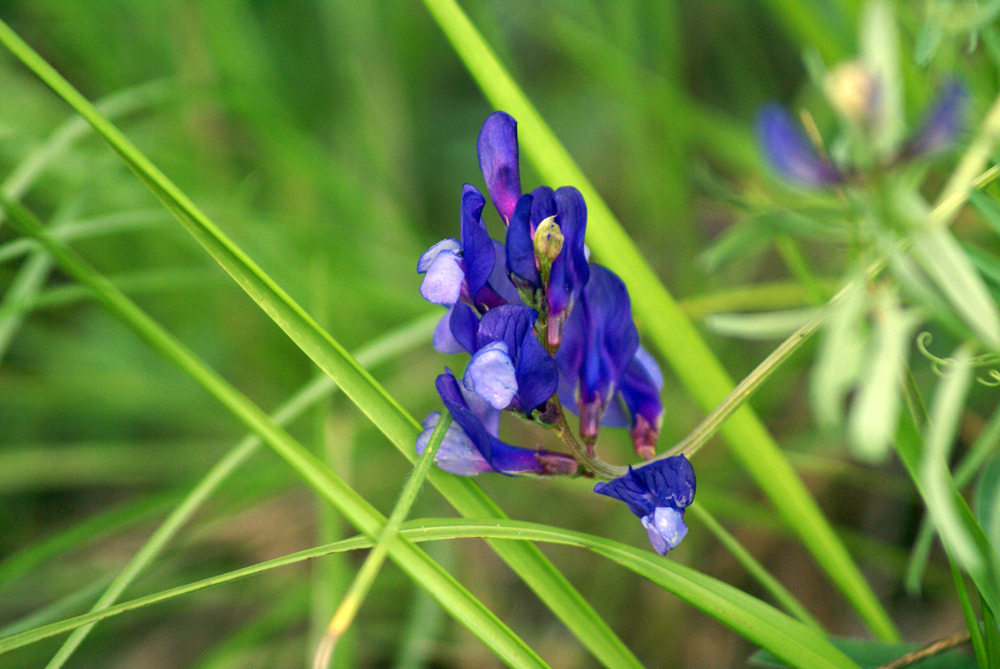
467, 271
942, 122
599, 342
657, 493
789, 151
471, 445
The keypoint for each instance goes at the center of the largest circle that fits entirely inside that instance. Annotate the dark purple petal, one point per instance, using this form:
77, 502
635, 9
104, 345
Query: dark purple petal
543, 205
788, 150
537, 375
640, 388
599, 341
477, 247
662, 483
498, 160
499, 290
943, 122
501, 456
536, 371
520, 245
464, 324
509, 324
454, 400
570, 270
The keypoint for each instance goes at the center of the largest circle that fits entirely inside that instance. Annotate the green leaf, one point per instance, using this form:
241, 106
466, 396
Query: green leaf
770, 325
357, 384
789, 639
880, 54
949, 401
875, 413
988, 207
668, 328
946, 263
987, 500
840, 355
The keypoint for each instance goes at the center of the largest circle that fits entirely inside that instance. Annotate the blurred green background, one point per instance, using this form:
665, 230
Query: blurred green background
330, 141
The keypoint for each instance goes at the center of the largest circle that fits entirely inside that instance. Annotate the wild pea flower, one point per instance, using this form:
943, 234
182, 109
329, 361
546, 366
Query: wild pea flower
471, 445
543, 326
794, 157
657, 493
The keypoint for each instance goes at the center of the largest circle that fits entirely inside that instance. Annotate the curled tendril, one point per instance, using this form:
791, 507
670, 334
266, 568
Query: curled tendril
992, 380
940, 365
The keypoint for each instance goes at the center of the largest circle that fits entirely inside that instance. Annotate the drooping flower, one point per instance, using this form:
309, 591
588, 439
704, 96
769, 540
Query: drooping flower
657, 493
471, 445
789, 151
942, 122
599, 341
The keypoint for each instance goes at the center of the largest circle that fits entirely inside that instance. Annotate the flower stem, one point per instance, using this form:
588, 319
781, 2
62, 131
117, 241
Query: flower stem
593, 465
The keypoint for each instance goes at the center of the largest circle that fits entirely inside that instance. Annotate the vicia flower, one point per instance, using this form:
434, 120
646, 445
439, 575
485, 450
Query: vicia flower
471, 445
569, 270
794, 157
600, 341
657, 493
470, 271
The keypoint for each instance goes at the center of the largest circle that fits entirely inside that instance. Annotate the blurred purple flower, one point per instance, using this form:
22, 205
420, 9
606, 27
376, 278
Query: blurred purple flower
789, 151
657, 493
942, 122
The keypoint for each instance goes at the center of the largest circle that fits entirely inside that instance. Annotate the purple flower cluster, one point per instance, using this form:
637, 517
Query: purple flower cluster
794, 157
546, 331
537, 318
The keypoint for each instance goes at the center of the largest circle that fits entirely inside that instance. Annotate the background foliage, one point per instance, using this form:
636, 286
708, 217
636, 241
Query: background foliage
330, 140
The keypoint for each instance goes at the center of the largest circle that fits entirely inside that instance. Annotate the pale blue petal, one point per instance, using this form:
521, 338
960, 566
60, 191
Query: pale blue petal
490, 375
665, 527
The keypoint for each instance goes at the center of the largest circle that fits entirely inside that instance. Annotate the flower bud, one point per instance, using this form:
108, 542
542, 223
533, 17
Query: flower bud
852, 91
548, 241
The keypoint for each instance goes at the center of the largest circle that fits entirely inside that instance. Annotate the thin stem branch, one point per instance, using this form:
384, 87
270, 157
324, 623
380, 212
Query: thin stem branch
356, 593
931, 649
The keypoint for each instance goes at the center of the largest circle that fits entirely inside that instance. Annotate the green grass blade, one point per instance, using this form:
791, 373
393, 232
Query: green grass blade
417, 564
401, 429
789, 639
756, 569
365, 578
388, 346
664, 322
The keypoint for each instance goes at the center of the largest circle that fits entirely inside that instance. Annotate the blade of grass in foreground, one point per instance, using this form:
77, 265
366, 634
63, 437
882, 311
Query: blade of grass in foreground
379, 350
789, 639
468, 498
416, 563
662, 319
